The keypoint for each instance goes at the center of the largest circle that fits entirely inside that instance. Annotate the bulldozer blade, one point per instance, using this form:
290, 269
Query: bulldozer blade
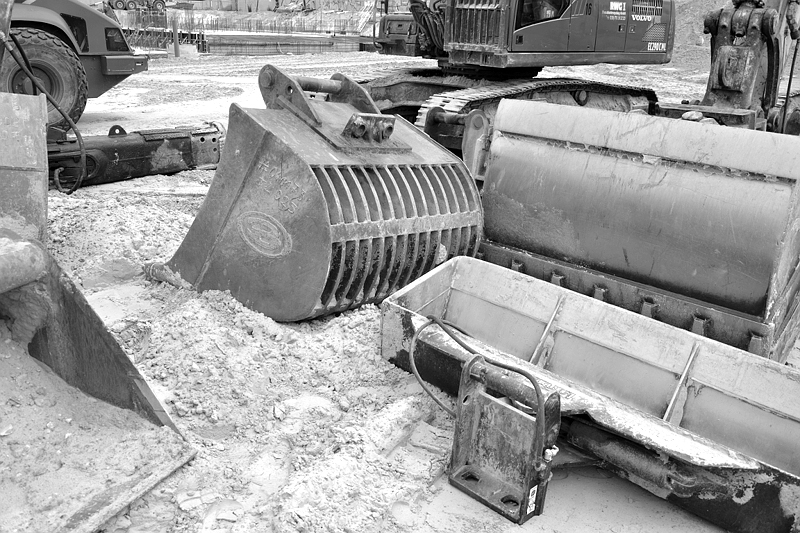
701, 424
43, 316
693, 224
321, 206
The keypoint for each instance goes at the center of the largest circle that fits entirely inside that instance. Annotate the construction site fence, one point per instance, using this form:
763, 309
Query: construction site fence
154, 31
161, 39
282, 47
189, 22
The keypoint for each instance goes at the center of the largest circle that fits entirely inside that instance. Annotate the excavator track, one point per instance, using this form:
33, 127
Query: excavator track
413, 93
486, 97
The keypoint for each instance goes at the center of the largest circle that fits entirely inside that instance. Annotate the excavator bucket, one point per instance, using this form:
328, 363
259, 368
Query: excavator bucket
321, 204
692, 224
83, 434
706, 426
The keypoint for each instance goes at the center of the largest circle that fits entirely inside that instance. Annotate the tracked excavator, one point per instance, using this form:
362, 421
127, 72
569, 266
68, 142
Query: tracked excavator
492, 49
691, 224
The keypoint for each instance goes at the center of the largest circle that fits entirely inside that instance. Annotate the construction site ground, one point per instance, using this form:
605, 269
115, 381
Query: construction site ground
298, 427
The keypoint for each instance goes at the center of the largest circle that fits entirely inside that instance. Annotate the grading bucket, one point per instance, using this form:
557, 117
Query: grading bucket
699, 423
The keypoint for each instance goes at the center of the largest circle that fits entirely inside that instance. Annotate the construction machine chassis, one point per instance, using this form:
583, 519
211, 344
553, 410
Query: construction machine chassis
74, 49
414, 93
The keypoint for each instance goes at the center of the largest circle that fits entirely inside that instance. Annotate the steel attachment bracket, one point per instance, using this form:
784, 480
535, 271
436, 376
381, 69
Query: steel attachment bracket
369, 126
499, 457
309, 99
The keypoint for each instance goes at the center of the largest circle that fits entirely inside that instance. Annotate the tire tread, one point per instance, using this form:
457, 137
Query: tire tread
35, 36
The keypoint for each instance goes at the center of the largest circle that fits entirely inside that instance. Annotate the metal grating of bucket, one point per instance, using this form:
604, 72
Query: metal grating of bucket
390, 224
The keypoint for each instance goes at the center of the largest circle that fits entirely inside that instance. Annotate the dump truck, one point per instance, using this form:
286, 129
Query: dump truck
76, 51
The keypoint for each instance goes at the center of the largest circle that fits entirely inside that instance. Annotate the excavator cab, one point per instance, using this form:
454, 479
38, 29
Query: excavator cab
527, 35
534, 11
582, 32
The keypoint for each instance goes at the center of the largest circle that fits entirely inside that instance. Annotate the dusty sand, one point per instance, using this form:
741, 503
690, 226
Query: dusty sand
60, 449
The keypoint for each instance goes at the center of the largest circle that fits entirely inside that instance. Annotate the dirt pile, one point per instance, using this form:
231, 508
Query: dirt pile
103, 239
60, 450
296, 425
689, 24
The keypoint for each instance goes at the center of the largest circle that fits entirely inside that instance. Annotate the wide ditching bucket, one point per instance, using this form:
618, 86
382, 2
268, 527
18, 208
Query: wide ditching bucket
692, 224
706, 426
81, 433
322, 204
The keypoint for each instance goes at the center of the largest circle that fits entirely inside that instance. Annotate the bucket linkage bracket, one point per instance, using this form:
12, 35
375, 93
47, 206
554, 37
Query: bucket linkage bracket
366, 129
501, 457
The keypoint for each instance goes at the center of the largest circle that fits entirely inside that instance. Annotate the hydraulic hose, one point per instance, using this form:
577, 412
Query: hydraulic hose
788, 89
448, 328
430, 23
375, 43
794, 33
412, 362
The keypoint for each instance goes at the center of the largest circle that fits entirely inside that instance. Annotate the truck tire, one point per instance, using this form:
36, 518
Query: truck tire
159, 5
132, 5
119, 4
55, 65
